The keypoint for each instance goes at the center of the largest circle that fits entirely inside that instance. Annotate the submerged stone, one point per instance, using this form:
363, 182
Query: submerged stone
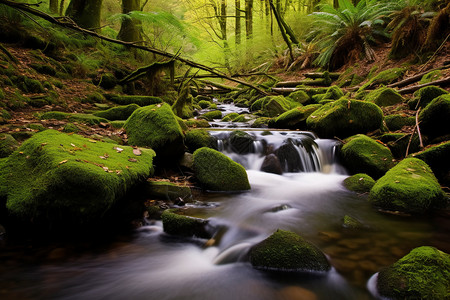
241, 142
271, 164
409, 187
55, 178
424, 273
351, 223
217, 172
288, 252
360, 183
175, 223
362, 154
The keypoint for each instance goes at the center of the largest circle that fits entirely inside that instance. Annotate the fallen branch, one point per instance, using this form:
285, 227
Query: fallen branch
322, 75
415, 78
221, 86
441, 82
150, 69
284, 90
418, 128
71, 25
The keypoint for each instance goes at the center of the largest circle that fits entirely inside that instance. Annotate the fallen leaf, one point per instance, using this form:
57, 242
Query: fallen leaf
119, 150
73, 145
63, 162
118, 172
106, 169
92, 141
102, 157
132, 159
137, 152
43, 144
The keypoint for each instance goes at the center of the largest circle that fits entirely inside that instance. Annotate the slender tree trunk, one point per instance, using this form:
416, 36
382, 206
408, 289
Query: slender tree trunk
61, 8
223, 29
249, 18
237, 4
130, 30
53, 5
282, 30
85, 13
336, 3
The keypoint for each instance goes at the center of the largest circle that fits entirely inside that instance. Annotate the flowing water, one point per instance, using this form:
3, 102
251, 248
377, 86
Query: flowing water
310, 201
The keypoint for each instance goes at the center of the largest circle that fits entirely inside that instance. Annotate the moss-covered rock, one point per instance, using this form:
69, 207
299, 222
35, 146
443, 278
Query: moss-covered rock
398, 143
409, 187
204, 103
384, 77
437, 158
271, 106
230, 117
4, 116
155, 126
362, 154
350, 222
211, 115
431, 76
360, 183
29, 85
217, 172
384, 97
198, 138
118, 112
300, 97
8, 144
70, 128
94, 98
175, 223
424, 273
43, 69
164, 190
197, 123
333, 92
139, 100
294, 118
425, 95
397, 121
55, 178
344, 118
106, 81
434, 119
241, 142
261, 122
287, 251
81, 118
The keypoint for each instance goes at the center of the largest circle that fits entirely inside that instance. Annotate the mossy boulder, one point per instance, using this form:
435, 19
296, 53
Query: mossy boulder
165, 190
350, 222
261, 122
8, 144
230, 117
43, 69
271, 106
384, 77
217, 172
425, 95
294, 118
409, 187
437, 158
106, 81
288, 252
333, 92
362, 154
431, 76
434, 119
204, 103
360, 183
398, 143
73, 117
118, 112
198, 138
384, 97
397, 121
139, 100
300, 97
155, 126
211, 115
55, 178
4, 116
424, 273
175, 223
344, 118
241, 142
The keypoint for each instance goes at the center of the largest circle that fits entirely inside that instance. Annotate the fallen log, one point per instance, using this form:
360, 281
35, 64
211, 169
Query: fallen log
316, 82
322, 75
412, 89
284, 90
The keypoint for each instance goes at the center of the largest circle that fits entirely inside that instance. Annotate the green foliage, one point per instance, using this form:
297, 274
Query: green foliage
347, 32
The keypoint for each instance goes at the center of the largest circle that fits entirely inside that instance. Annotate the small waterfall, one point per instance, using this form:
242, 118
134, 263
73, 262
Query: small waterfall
285, 151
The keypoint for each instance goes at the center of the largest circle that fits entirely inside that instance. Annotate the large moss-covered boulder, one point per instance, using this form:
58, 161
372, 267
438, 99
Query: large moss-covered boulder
211, 115
7, 144
434, 119
332, 93
362, 154
176, 223
409, 187
58, 178
271, 106
294, 118
155, 126
288, 252
217, 172
198, 138
118, 112
424, 273
300, 97
384, 77
398, 121
384, 97
437, 158
344, 118
360, 183
425, 95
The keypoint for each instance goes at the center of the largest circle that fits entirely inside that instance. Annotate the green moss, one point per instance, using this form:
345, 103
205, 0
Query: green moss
36, 127
333, 92
94, 98
2, 94
117, 124
431, 76
81, 118
197, 123
204, 104
230, 117
434, 119
360, 183
300, 97
217, 172
177, 224
31, 86
384, 97
398, 143
211, 115
397, 122
164, 190
409, 187
59, 178
198, 138
422, 97
261, 122
43, 69
54, 115
344, 118
139, 100
424, 273
7, 145
435, 157
351, 223
70, 128
384, 77
155, 126
287, 251
271, 106
295, 118
106, 81
4, 114
362, 154
240, 118
118, 112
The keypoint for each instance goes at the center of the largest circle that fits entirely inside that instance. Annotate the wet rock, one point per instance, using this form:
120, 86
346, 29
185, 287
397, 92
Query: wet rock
241, 142
286, 251
424, 273
294, 118
362, 154
360, 183
271, 164
175, 223
409, 187
297, 293
289, 158
164, 190
434, 119
187, 161
350, 222
217, 172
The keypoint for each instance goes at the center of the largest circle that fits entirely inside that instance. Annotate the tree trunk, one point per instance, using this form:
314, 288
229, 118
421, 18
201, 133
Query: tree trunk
237, 30
223, 29
53, 5
249, 18
282, 30
130, 30
336, 3
85, 13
